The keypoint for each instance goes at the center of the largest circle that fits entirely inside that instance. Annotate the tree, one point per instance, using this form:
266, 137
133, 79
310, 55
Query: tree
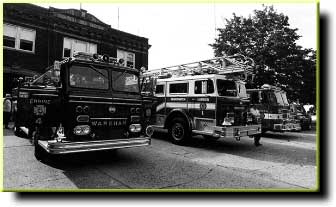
266, 37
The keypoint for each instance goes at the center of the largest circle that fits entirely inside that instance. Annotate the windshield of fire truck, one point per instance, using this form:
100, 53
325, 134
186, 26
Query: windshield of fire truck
241, 90
49, 78
284, 98
88, 77
279, 98
125, 82
226, 88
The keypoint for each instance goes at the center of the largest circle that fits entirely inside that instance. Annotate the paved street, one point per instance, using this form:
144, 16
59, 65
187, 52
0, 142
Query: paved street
283, 161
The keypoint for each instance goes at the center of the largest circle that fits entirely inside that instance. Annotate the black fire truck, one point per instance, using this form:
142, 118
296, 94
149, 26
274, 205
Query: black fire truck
274, 108
202, 98
84, 103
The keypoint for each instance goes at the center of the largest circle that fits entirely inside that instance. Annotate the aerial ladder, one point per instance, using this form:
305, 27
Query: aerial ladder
235, 66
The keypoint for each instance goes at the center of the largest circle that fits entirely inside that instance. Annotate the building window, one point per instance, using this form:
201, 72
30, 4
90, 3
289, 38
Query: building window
19, 38
72, 45
128, 57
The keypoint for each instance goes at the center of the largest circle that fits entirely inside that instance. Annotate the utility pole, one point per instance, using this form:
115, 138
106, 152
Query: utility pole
118, 17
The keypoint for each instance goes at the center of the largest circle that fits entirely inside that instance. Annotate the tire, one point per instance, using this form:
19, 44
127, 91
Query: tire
179, 131
30, 132
39, 152
17, 131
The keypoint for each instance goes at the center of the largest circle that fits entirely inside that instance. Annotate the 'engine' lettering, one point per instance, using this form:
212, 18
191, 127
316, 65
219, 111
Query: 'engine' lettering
39, 101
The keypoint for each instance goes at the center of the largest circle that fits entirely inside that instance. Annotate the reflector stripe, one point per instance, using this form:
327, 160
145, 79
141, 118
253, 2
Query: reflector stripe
209, 106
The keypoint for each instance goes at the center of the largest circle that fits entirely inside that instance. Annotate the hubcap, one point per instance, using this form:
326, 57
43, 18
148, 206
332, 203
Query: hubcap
177, 131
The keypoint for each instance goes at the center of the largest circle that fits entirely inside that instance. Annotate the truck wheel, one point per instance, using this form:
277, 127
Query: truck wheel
30, 132
17, 131
39, 152
179, 131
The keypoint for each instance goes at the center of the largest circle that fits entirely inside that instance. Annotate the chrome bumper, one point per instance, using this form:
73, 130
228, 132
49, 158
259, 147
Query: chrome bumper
237, 131
287, 127
65, 147
295, 127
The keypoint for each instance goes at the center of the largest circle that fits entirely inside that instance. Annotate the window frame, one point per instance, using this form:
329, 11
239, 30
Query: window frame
163, 89
85, 88
172, 83
73, 44
235, 84
207, 82
121, 91
125, 54
17, 38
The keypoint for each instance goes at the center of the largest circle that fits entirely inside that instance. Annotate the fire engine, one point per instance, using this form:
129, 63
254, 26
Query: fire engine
203, 98
299, 113
273, 105
83, 103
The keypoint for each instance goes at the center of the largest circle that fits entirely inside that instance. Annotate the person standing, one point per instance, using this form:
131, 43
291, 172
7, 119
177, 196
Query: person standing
7, 110
255, 114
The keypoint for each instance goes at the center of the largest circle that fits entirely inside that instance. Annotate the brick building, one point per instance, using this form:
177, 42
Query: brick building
34, 37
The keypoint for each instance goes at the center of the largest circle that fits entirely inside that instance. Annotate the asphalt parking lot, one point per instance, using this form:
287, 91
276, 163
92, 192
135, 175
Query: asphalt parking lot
284, 161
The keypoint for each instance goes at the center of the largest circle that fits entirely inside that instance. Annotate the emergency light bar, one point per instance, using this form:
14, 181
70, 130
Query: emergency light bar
99, 58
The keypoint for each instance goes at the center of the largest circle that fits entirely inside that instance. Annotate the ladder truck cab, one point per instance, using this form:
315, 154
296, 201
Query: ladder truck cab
84, 103
202, 98
274, 108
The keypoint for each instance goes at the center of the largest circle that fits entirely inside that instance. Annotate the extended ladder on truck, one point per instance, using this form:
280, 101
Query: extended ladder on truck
235, 64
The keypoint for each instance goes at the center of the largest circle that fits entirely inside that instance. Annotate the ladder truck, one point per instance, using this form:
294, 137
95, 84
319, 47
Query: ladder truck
202, 98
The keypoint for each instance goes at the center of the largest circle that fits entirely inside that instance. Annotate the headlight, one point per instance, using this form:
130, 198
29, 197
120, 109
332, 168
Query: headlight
86, 109
149, 131
112, 109
134, 128
79, 109
82, 130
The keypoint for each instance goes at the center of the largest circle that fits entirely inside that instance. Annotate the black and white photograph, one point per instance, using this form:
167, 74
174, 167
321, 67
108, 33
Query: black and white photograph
161, 97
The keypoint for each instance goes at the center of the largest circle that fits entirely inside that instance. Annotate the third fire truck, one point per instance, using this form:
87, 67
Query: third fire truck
273, 105
202, 98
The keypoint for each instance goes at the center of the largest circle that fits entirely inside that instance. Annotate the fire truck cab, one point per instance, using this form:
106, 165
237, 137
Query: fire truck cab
84, 103
210, 104
274, 108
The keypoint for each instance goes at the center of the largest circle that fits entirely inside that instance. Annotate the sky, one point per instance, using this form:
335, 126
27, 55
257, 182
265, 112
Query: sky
181, 33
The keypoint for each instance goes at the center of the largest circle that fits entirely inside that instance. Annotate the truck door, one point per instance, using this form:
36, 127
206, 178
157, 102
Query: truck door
160, 106
202, 104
